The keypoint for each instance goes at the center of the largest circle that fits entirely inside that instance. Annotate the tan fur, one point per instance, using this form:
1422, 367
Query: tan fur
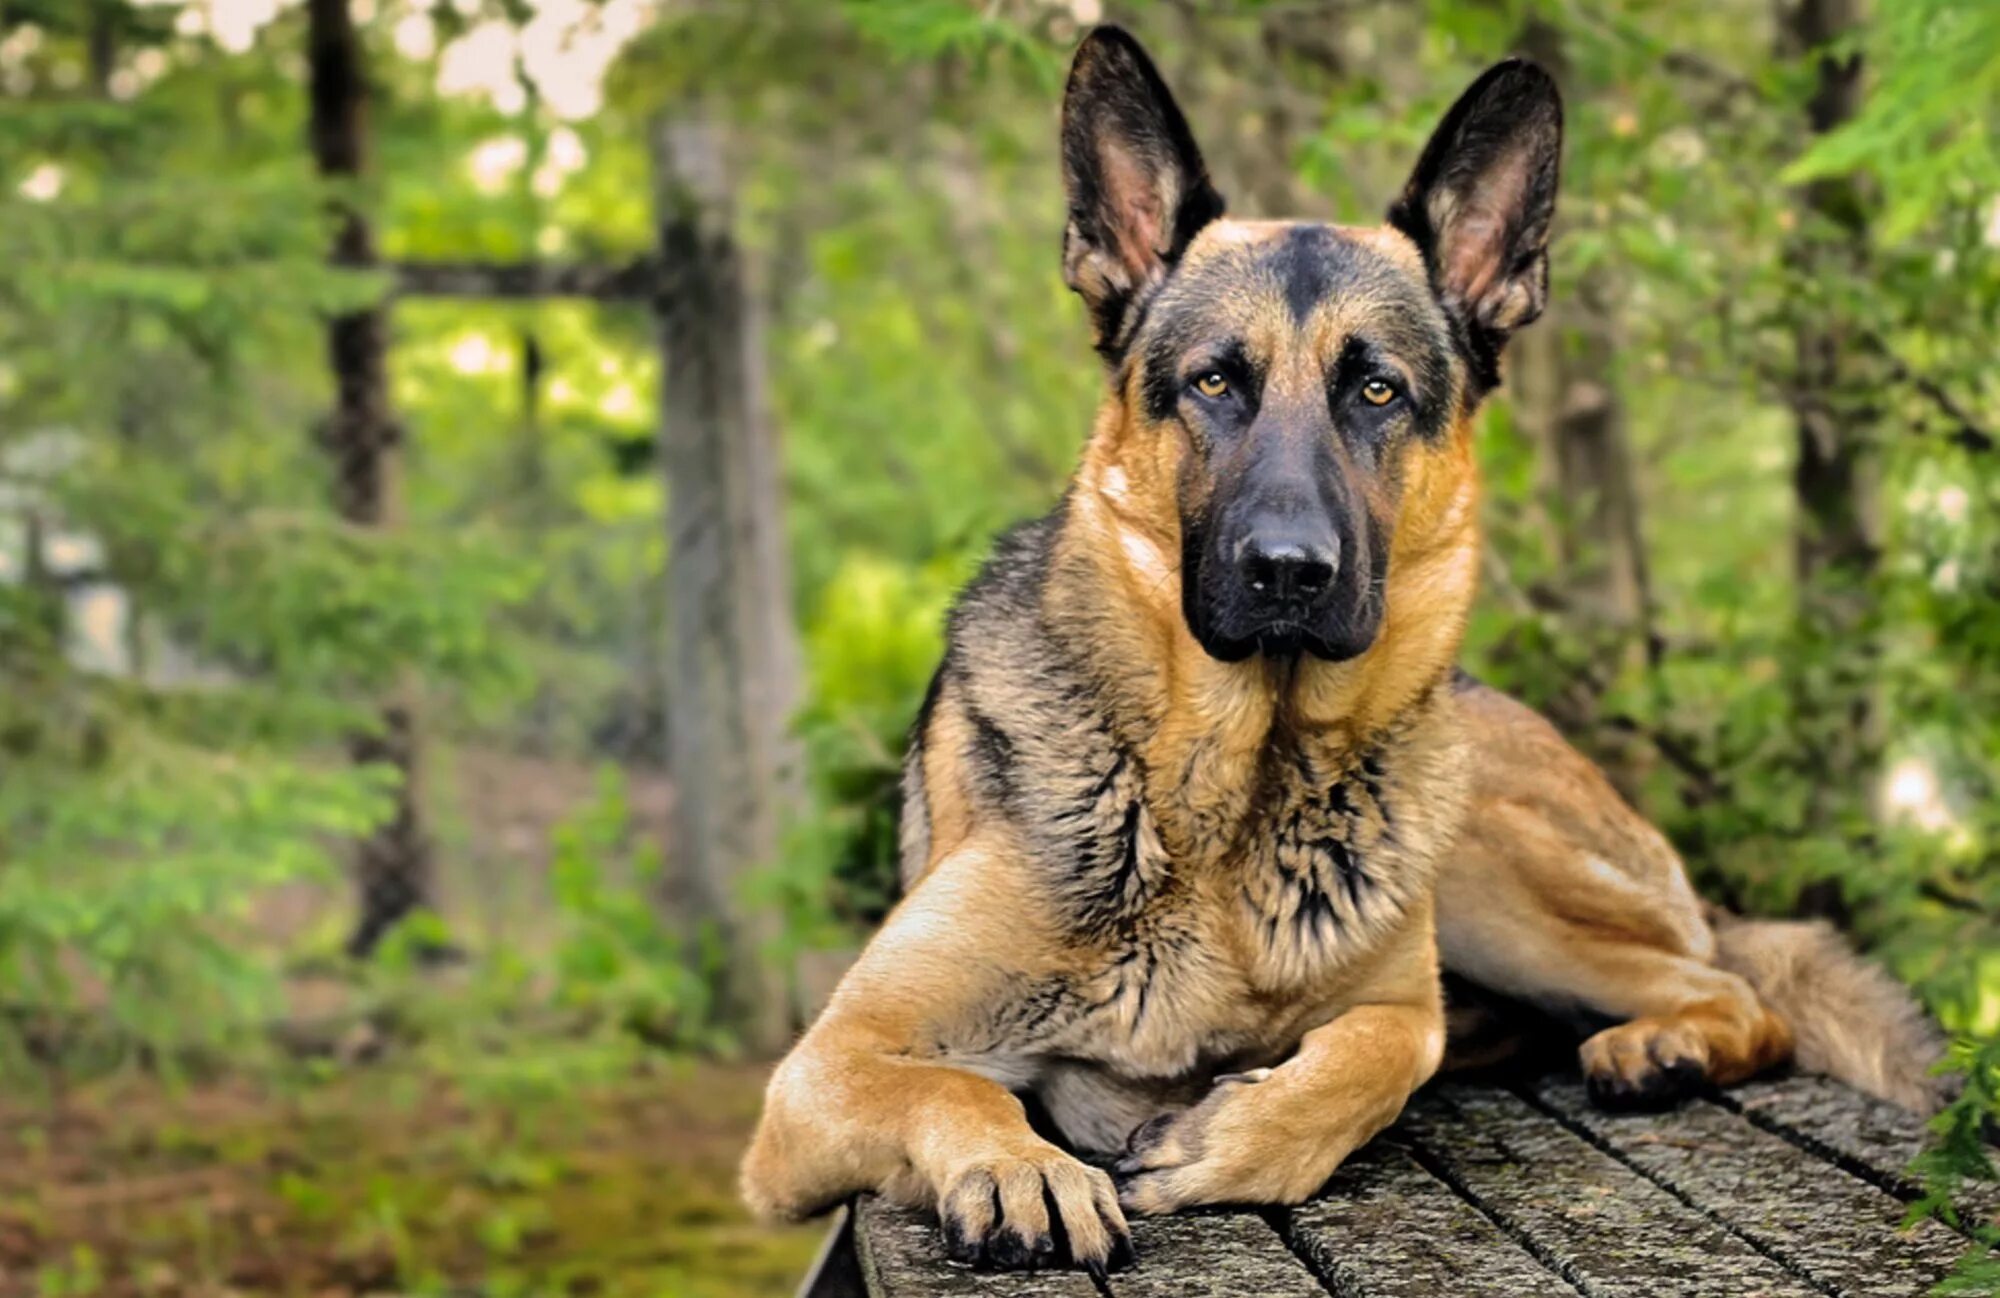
950, 818
1561, 895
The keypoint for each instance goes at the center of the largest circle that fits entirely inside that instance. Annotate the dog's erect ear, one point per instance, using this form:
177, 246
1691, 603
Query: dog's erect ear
1480, 204
1137, 189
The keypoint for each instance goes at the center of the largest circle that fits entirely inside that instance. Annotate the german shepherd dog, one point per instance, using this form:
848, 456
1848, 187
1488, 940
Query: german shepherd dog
1180, 809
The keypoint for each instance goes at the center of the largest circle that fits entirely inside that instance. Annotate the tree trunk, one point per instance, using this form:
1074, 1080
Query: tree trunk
1834, 472
732, 647
393, 866
1580, 424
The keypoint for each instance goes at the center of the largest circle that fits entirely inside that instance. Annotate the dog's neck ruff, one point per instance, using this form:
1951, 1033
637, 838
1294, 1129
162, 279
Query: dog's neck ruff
1145, 774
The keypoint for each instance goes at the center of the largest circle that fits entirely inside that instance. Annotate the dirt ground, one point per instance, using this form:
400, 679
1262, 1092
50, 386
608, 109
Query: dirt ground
385, 1183
382, 1177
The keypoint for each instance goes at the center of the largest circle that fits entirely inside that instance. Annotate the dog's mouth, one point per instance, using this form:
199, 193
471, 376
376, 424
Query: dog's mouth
1286, 639
1281, 640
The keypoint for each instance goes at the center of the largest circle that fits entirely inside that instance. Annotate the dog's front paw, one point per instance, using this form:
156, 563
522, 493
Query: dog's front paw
1216, 1152
996, 1213
1642, 1065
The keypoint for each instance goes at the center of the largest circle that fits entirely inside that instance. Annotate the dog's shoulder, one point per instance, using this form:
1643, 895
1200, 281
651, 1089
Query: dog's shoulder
1001, 607
1016, 734
1005, 671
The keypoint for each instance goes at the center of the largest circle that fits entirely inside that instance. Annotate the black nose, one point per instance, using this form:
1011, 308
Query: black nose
1288, 571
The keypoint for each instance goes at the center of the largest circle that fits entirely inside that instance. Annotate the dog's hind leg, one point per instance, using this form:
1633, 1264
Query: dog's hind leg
1560, 895
1676, 1019
1696, 1023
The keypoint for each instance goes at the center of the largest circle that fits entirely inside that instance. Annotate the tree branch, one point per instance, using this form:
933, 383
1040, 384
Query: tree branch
633, 281
1968, 434
1708, 785
1932, 890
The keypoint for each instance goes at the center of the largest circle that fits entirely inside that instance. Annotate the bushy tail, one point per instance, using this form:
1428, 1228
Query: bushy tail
1850, 1019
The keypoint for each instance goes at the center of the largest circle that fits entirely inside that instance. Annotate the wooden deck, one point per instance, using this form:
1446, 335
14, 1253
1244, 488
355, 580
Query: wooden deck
1776, 1189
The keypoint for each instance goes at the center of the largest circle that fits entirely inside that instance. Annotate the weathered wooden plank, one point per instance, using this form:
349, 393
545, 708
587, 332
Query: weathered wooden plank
1782, 1190
1840, 1121
902, 1256
1871, 1138
1820, 1221
1606, 1229
1386, 1228
1197, 1255
1212, 1255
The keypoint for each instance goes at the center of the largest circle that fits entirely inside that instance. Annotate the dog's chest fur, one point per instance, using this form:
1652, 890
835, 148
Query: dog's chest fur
1216, 945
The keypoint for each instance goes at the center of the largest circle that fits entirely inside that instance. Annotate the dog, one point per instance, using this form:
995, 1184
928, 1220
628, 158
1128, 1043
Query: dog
1181, 805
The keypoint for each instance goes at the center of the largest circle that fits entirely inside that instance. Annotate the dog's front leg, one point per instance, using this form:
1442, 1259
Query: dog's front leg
1276, 1135
873, 1099
841, 1118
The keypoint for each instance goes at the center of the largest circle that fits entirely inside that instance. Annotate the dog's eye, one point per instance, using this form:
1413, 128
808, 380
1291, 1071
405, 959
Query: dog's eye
1212, 385
1377, 393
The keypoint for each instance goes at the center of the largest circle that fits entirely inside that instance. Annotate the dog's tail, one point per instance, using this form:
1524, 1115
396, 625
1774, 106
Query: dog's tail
1849, 1018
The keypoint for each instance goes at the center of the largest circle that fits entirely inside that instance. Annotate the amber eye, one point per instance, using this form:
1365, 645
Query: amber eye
1377, 393
1212, 385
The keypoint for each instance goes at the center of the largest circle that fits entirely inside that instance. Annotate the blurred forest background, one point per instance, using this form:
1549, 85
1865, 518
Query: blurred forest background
436, 433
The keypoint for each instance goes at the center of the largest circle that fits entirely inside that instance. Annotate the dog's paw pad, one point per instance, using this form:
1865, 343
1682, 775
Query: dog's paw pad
1642, 1066
1025, 1213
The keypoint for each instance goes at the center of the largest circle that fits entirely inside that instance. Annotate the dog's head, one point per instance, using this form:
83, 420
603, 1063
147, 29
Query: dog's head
1286, 383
